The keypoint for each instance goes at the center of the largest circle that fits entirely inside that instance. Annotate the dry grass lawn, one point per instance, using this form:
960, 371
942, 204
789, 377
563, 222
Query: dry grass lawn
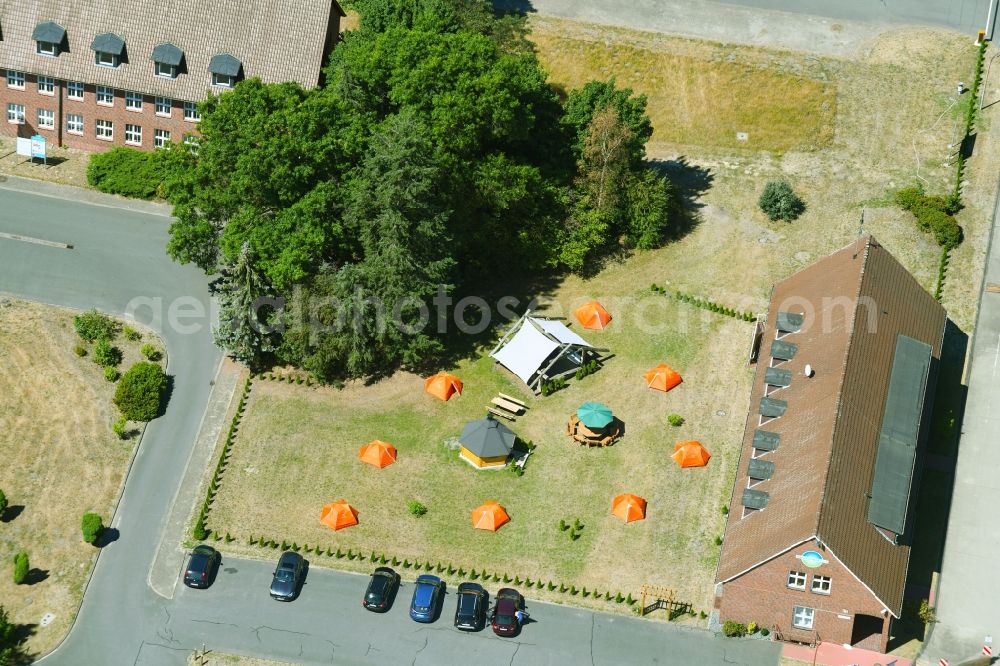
700, 93
891, 114
61, 460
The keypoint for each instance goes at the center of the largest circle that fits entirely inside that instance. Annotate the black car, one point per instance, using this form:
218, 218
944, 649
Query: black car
470, 610
381, 590
201, 566
288, 576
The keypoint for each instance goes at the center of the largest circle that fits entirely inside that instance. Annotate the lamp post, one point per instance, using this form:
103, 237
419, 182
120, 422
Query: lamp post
982, 96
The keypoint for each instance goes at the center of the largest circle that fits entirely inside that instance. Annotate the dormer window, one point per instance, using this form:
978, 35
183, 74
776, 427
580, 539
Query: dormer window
223, 81
167, 59
109, 50
49, 38
226, 70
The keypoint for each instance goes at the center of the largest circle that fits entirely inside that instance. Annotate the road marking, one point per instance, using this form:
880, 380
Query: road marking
36, 241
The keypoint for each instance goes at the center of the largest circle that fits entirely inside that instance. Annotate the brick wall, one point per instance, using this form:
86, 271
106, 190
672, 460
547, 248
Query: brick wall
762, 595
59, 103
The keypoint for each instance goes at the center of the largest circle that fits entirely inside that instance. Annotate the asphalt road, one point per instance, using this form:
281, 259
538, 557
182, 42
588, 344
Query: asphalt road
964, 15
118, 257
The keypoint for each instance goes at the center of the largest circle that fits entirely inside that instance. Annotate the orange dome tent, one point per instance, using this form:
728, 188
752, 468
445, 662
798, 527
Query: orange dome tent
593, 316
662, 378
629, 507
490, 516
690, 454
443, 385
378, 453
338, 515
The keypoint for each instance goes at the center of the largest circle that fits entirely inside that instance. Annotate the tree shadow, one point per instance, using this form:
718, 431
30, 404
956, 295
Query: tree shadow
11, 512
17, 655
107, 537
690, 183
513, 6
165, 397
931, 501
36, 575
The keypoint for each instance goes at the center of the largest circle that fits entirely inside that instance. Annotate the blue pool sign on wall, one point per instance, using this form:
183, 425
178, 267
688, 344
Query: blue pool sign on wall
813, 559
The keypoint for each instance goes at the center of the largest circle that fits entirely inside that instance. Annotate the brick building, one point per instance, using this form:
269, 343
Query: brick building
92, 75
817, 541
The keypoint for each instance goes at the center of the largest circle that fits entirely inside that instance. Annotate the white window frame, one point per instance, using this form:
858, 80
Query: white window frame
45, 85
747, 510
15, 79
191, 112
133, 101
796, 580
15, 113
50, 119
100, 91
133, 134
74, 87
223, 81
821, 584
802, 617
106, 126
164, 71
104, 59
51, 53
74, 123
160, 103
161, 138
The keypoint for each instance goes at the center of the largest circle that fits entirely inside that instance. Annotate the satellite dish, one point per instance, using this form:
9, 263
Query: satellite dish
808, 370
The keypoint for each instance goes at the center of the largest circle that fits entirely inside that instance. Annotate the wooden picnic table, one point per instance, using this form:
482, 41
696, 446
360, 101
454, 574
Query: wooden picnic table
511, 407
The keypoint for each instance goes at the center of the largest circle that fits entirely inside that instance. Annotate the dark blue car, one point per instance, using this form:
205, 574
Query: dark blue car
427, 595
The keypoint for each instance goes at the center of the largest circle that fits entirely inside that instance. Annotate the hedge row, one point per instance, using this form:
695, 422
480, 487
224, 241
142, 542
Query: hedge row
942, 272
308, 380
136, 173
934, 214
439, 567
200, 530
703, 303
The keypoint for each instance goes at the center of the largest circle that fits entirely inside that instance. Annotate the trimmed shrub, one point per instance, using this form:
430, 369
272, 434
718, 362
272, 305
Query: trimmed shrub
718, 540
91, 525
111, 373
106, 355
562, 525
135, 173
908, 197
118, 427
588, 368
751, 627
140, 391
779, 202
80, 350
764, 631
151, 352
675, 420
724, 509
131, 334
734, 629
551, 386
416, 508
21, 567
92, 326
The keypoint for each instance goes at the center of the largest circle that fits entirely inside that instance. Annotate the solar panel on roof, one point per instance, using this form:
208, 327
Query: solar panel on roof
754, 499
783, 350
765, 441
899, 436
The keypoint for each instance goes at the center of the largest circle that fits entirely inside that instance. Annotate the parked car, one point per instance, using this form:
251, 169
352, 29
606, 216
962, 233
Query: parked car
509, 601
470, 609
288, 576
381, 590
201, 566
427, 595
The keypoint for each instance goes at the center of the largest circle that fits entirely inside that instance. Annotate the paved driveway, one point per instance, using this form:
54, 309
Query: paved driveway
117, 257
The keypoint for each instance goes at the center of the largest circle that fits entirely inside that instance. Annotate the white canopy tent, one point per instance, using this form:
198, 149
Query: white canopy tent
533, 346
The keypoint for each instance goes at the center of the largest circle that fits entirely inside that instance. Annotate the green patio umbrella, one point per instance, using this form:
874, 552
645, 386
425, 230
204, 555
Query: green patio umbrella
594, 414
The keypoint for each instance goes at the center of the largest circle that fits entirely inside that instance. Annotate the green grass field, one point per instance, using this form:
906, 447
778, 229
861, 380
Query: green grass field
297, 450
